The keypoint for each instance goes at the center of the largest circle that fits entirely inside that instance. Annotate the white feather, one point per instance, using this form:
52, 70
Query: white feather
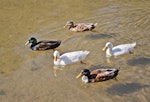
70, 57
85, 79
119, 50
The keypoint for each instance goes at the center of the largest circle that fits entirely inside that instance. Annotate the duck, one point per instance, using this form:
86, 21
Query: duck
97, 75
69, 57
118, 50
81, 27
43, 45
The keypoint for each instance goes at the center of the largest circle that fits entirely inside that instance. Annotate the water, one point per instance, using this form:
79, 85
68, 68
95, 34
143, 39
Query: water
28, 75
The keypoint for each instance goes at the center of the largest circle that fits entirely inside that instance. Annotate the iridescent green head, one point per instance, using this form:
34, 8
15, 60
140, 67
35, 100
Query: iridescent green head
31, 40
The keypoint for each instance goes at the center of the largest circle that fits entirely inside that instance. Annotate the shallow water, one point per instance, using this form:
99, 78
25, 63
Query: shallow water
28, 75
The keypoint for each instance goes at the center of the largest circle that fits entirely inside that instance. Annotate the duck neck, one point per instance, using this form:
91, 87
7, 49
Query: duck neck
57, 60
33, 46
71, 26
109, 51
85, 79
34, 42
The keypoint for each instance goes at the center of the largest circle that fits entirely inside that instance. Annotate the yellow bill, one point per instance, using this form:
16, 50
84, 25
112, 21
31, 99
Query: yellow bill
78, 76
65, 26
105, 48
27, 43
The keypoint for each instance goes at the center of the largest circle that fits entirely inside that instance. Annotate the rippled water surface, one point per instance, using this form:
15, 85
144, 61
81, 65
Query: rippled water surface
30, 76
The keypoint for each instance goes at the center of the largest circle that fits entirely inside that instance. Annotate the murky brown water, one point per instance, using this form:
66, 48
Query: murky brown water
29, 76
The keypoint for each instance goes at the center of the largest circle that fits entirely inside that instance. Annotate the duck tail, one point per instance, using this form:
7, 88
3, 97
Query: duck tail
87, 52
134, 44
59, 41
117, 71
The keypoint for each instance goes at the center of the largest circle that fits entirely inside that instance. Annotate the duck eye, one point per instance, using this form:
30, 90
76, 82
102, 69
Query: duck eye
31, 40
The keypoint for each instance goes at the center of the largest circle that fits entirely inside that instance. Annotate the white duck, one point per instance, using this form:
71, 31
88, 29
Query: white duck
118, 50
70, 57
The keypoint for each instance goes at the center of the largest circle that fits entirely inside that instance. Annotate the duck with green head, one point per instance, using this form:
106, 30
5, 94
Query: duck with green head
98, 75
43, 45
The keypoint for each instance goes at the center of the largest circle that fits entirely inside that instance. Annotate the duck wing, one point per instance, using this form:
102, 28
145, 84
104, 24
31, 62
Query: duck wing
123, 49
72, 57
105, 74
84, 27
45, 45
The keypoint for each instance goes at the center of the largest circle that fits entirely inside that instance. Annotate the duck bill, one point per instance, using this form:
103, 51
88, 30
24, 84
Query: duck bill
65, 26
78, 76
104, 49
55, 58
27, 43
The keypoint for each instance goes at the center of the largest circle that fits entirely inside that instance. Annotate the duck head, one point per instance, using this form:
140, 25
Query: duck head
69, 24
85, 73
108, 45
56, 55
31, 40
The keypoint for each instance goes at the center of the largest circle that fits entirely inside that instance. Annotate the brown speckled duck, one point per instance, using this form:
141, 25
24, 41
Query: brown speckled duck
81, 27
97, 75
43, 45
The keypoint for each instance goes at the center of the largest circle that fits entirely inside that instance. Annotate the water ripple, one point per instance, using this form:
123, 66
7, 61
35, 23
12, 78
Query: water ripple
121, 89
138, 61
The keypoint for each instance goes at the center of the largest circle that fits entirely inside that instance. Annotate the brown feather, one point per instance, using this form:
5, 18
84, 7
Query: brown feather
80, 27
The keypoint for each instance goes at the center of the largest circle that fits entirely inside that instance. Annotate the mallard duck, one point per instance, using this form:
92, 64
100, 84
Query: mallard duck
42, 45
80, 27
118, 50
70, 57
97, 75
